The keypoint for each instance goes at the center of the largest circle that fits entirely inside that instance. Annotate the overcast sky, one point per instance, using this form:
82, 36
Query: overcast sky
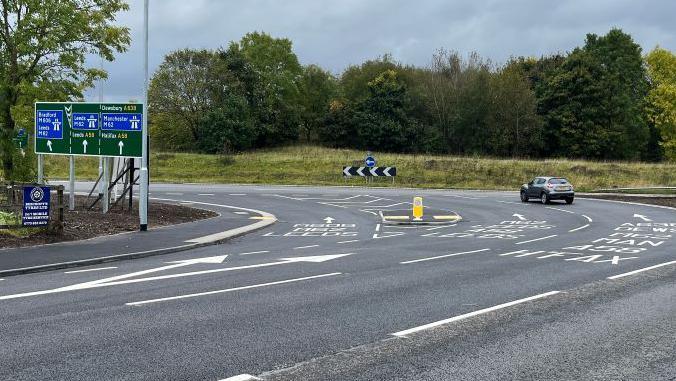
338, 33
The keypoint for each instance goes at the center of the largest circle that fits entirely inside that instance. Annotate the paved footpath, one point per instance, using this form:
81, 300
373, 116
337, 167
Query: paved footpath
329, 292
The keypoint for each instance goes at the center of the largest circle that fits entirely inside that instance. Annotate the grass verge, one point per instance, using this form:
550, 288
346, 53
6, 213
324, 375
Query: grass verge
323, 166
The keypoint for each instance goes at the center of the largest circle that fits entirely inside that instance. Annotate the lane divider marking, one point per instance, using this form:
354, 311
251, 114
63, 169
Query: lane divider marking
351, 241
641, 270
588, 218
536, 239
443, 256
305, 247
471, 314
580, 228
229, 289
241, 377
255, 252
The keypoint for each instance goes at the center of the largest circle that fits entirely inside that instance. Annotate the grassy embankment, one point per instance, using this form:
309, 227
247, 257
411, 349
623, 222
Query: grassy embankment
323, 166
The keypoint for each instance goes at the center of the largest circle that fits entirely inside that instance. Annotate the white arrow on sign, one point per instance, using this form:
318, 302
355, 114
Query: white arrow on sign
346, 171
120, 144
84, 145
122, 279
373, 171
49, 145
387, 171
644, 218
329, 220
360, 171
519, 216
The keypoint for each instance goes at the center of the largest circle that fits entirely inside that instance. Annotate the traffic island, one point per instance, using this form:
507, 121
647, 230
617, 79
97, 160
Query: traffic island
430, 217
84, 223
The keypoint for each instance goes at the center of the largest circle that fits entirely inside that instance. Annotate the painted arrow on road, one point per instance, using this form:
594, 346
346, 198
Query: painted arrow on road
644, 218
329, 220
519, 216
123, 279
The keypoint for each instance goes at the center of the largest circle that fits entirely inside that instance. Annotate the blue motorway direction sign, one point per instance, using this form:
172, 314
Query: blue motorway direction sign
35, 206
85, 121
49, 124
121, 122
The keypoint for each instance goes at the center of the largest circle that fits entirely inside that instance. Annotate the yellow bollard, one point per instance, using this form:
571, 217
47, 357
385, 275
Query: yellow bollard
417, 208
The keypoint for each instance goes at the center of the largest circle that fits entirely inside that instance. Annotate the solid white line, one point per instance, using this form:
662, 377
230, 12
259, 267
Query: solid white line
255, 252
354, 240
588, 218
206, 194
442, 256
536, 239
230, 289
472, 314
88, 270
305, 247
580, 228
642, 270
241, 377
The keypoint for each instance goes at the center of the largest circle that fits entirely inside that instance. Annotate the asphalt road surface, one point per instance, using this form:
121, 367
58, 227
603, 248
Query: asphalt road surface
329, 292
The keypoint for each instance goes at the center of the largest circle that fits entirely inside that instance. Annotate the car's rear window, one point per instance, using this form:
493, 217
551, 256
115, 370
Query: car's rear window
558, 181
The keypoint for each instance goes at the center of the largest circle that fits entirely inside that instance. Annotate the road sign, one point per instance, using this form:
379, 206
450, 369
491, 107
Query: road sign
370, 161
35, 206
367, 172
21, 139
89, 129
417, 208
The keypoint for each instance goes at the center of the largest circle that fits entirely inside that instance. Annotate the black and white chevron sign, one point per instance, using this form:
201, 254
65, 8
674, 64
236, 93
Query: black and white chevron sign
366, 171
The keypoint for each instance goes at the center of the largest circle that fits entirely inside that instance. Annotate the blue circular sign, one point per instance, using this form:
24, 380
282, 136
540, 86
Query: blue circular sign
370, 161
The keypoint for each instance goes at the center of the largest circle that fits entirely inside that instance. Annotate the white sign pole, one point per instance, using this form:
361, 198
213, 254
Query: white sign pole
143, 200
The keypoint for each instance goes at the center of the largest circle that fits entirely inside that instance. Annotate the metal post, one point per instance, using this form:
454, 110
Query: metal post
101, 176
41, 170
106, 183
131, 184
143, 199
71, 178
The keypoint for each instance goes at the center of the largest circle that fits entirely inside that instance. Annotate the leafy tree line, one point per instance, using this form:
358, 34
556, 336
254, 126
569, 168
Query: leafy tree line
603, 100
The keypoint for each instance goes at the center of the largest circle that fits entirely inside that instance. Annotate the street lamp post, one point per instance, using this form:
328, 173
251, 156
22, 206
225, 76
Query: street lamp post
143, 201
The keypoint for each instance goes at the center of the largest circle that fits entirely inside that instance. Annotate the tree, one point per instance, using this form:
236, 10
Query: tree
227, 128
317, 89
595, 101
43, 46
661, 100
182, 89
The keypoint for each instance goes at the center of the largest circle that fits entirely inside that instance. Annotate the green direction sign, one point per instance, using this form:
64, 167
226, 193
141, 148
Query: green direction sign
89, 129
21, 140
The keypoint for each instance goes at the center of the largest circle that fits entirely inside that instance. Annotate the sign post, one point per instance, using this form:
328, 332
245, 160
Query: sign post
35, 206
143, 200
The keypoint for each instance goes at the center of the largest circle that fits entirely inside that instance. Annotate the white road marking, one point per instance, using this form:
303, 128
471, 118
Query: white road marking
442, 256
305, 247
89, 270
230, 289
588, 218
536, 239
354, 240
237, 194
241, 377
389, 235
472, 314
255, 252
644, 218
174, 194
641, 270
441, 227
206, 194
519, 216
242, 213
510, 202
377, 227
560, 210
455, 195
580, 228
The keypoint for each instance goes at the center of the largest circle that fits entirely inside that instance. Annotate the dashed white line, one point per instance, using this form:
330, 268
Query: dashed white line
455, 195
580, 228
377, 227
511, 202
588, 218
241, 377
90, 270
255, 252
472, 314
237, 194
642, 270
560, 210
536, 239
241, 212
351, 241
305, 247
230, 289
206, 194
442, 256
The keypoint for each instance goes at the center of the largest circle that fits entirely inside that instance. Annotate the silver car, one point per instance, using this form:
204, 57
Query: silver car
546, 189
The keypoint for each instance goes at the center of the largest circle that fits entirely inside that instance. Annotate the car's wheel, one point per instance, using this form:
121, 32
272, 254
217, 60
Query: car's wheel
544, 198
524, 198
569, 200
